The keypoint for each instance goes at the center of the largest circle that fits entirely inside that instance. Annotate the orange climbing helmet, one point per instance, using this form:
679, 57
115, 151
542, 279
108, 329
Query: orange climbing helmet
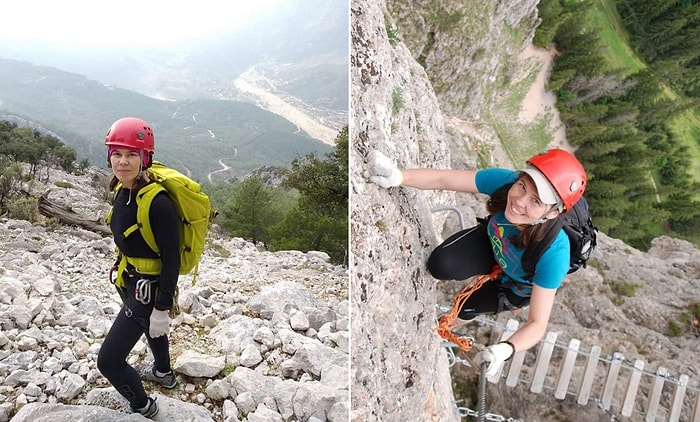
564, 172
133, 133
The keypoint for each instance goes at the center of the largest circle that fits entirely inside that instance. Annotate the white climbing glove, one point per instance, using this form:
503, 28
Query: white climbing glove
495, 355
381, 170
159, 323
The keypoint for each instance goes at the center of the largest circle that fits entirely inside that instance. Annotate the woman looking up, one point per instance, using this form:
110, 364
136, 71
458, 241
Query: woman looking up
522, 206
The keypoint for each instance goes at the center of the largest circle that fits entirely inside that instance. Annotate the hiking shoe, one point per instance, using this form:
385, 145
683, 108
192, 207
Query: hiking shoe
148, 373
150, 410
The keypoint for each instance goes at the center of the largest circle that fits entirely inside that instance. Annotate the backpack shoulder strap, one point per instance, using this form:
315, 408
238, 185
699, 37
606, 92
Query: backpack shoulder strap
108, 218
144, 198
533, 252
579, 213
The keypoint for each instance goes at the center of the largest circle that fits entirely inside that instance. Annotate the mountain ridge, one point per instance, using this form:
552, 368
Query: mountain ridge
80, 111
300, 49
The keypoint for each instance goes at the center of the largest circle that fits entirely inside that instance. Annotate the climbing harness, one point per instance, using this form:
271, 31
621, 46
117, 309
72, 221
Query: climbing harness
503, 301
447, 322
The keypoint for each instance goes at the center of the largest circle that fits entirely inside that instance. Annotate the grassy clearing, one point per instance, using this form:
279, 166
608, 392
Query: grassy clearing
603, 18
686, 128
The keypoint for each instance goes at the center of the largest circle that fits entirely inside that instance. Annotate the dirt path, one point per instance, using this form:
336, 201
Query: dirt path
538, 101
537, 104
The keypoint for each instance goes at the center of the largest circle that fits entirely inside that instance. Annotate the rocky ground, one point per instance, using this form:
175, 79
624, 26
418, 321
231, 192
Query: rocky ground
263, 335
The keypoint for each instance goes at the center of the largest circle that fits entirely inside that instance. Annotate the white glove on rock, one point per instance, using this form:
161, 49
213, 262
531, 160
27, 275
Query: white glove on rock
382, 171
495, 355
159, 323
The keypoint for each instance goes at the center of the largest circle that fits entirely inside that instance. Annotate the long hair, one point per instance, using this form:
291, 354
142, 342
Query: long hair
529, 234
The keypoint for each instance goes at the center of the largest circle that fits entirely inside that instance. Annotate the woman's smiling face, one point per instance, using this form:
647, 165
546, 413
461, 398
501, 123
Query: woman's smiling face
524, 205
126, 165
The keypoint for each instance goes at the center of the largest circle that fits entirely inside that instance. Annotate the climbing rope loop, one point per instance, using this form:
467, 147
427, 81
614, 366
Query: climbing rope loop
448, 322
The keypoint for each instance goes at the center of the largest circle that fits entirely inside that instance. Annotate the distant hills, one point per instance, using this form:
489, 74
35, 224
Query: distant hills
191, 135
187, 91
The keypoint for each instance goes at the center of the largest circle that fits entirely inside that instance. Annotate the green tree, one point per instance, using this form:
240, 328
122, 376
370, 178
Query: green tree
307, 231
10, 180
639, 184
249, 212
551, 14
320, 219
323, 183
41, 152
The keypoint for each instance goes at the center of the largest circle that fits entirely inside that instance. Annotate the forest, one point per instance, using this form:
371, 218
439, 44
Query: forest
635, 129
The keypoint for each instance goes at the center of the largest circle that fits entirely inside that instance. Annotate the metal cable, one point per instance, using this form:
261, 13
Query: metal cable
482, 393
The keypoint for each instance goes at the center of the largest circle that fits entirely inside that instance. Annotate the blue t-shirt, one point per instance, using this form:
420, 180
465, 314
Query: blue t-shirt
553, 265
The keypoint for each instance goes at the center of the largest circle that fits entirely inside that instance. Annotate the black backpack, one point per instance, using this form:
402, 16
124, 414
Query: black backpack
582, 234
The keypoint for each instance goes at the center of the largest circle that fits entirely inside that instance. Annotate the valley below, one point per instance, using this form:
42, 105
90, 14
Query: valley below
255, 87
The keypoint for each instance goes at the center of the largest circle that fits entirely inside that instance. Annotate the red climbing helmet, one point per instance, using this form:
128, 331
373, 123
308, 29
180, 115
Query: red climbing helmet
564, 172
134, 133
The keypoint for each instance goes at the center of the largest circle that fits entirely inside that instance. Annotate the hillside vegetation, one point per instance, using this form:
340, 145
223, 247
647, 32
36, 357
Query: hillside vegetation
631, 115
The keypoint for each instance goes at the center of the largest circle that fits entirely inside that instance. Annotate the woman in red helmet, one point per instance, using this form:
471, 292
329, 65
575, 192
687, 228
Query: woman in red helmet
147, 295
522, 204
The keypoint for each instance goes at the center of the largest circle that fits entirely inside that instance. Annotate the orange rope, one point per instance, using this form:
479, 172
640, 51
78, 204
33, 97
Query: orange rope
446, 323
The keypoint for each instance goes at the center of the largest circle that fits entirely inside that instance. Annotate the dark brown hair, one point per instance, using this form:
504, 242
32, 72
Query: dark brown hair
529, 233
140, 182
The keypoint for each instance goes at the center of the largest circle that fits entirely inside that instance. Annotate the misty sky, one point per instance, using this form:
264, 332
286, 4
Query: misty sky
122, 22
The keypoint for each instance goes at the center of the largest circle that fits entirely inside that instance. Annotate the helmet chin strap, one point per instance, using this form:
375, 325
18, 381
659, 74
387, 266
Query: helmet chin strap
544, 218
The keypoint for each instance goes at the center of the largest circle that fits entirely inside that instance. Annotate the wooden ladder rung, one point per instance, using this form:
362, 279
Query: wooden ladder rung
567, 369
678, 396
543, 358
587, 381
655, 395
632, 388
611, 380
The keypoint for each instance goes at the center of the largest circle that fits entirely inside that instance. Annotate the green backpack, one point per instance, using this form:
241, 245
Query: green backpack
193, 209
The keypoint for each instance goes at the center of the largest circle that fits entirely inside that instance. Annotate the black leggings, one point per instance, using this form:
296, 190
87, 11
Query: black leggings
463, 255
132, 321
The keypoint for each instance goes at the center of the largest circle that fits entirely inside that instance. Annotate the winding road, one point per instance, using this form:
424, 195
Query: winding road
223, 168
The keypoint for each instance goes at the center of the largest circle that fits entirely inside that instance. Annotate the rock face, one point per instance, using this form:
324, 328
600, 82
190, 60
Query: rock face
469, 49
261, 336
398, 371
411, 78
